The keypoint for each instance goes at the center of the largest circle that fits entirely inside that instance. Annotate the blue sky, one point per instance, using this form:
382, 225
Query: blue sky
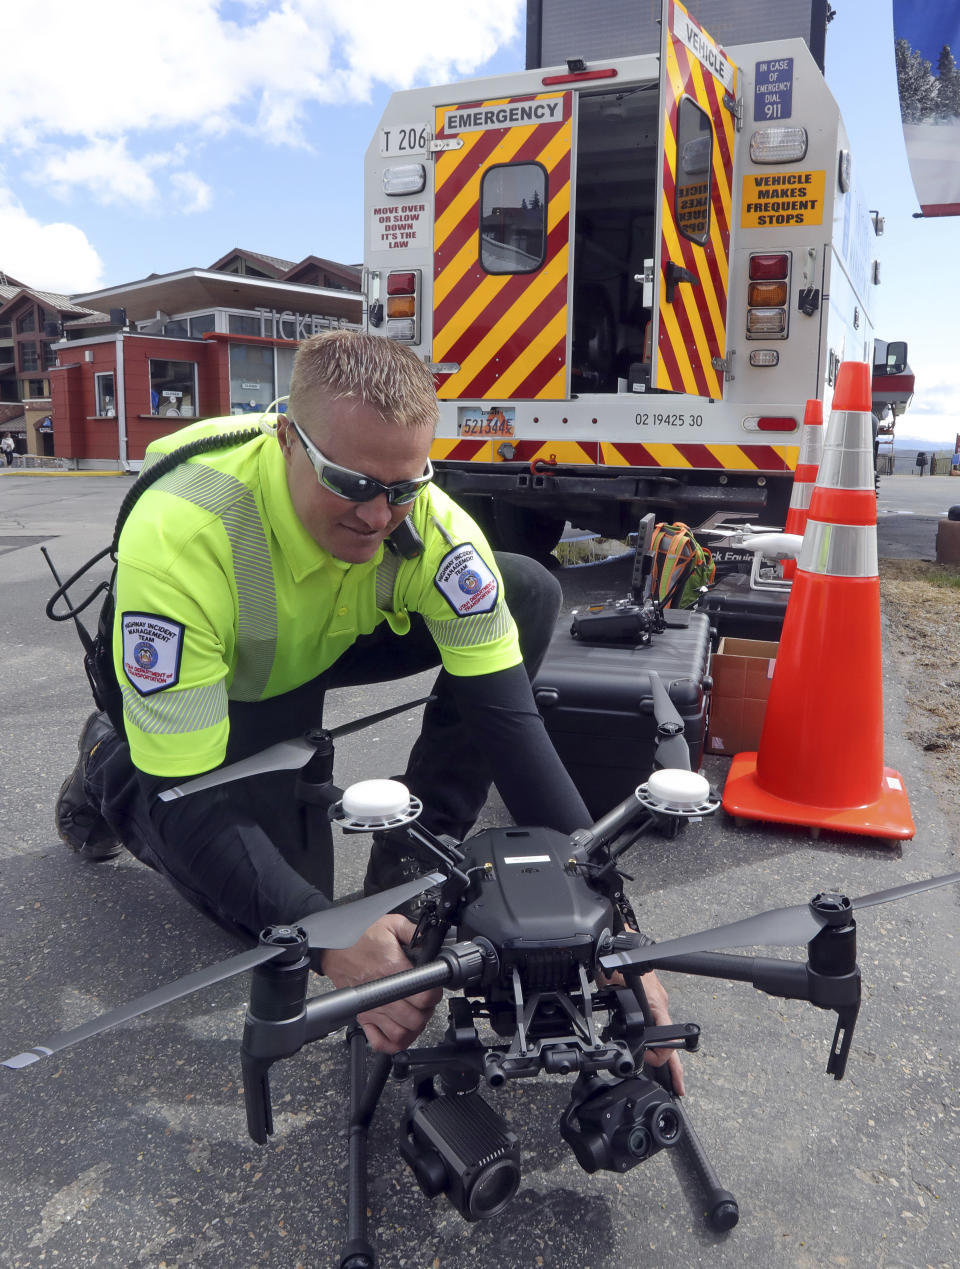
158, 136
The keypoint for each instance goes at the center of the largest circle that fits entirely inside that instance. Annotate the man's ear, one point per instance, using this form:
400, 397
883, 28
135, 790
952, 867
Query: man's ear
284, 438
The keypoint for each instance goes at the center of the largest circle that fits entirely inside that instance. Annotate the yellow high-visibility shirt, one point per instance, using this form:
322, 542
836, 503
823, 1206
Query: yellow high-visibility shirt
223, 595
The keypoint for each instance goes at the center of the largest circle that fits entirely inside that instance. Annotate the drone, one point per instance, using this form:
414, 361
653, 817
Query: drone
524, 925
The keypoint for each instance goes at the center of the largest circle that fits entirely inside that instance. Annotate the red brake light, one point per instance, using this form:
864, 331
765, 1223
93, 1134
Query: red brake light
401, 283
767, 423
768, 268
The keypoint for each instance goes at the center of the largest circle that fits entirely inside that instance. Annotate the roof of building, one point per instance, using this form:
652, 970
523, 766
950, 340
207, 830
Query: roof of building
271, 264
194, 290
48, 299
92, 318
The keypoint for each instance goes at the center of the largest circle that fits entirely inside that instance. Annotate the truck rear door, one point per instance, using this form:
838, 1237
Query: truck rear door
501, 247
698, 90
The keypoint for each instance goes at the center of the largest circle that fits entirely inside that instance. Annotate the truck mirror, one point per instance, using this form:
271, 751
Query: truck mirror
896, 357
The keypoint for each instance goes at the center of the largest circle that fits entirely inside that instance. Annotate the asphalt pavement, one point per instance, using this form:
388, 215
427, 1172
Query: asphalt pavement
131, 1150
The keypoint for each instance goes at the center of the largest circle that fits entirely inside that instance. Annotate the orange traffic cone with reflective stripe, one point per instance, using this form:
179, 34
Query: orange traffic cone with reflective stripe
804, 478
820, 761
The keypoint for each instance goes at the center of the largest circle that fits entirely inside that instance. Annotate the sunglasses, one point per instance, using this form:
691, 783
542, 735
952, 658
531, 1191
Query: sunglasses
354, 486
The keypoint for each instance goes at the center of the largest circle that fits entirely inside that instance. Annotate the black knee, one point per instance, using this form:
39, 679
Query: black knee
535, 598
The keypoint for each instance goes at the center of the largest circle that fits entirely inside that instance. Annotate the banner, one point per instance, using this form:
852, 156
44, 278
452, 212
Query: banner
926, 32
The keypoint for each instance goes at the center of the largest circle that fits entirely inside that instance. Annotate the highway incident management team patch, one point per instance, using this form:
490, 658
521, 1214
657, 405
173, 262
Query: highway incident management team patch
466, 582
152, 647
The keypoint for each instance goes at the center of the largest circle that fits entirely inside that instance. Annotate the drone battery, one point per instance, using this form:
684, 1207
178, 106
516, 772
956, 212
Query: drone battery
597, 703
741, 612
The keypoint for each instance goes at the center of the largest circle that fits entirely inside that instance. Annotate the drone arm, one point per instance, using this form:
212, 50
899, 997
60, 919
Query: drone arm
456, 965
791, 980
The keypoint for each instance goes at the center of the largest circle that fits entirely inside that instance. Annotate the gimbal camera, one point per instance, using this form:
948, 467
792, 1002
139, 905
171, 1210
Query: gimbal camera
524, 924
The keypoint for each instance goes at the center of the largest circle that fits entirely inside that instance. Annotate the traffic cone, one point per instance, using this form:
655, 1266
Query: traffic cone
804, 478
820, 760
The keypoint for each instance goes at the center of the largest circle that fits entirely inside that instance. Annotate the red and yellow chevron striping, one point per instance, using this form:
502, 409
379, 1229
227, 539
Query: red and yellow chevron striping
692, 329
506, 331
742, 458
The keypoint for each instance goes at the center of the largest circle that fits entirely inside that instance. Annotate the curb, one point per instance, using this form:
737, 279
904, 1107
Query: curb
54, 471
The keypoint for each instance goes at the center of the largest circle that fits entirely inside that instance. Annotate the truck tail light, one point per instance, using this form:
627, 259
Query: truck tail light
768, 297
769, 423
767, 294
403, 306
778, 145
765, 267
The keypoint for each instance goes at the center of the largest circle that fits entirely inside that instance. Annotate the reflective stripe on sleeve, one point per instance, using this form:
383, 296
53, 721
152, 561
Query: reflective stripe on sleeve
387, 571
468, 632
839, 550
176, 712
231, 500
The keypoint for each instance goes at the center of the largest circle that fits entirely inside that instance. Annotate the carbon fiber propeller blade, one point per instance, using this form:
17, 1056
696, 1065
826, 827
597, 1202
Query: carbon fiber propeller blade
781, 927
288, 755
336, 927
672, 751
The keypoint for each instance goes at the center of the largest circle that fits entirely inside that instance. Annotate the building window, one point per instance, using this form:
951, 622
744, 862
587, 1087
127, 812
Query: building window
173, 388
694, 171
49, 356
513, 202
27, 323
285, 358
28, 356
37, 388
251, 378
205, 322
177, 328
243, 325
103, 386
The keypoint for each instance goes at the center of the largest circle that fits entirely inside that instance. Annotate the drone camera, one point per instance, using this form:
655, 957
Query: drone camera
459, 1146
619, 1124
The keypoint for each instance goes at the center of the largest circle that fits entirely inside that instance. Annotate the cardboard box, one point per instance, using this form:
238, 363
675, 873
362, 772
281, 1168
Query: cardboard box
741, 670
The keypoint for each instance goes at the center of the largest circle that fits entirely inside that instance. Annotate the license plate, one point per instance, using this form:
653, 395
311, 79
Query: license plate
500, 420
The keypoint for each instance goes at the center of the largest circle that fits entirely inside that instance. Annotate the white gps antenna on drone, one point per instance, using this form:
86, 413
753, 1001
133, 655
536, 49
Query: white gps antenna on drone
372, 805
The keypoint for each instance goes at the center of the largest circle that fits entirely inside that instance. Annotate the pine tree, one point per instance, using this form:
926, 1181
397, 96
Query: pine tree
948, 85
916, 84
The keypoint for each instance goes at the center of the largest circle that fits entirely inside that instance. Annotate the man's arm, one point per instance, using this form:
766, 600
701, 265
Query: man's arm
509, 732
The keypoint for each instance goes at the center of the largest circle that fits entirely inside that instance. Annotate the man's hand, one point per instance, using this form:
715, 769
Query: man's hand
378, 954
657, 1000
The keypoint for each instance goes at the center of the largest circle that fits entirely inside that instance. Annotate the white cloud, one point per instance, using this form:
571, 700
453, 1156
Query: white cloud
104, 167
131, 93
107, 170
55, 257
183, 63
193, 194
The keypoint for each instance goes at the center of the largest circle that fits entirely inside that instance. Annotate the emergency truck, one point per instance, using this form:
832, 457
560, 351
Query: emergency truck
627, 274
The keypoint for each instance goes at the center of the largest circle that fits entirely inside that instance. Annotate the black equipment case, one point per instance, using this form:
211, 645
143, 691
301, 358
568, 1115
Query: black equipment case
597, 705
737, 611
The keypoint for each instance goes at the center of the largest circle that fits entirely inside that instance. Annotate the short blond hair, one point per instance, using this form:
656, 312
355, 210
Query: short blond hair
343, 364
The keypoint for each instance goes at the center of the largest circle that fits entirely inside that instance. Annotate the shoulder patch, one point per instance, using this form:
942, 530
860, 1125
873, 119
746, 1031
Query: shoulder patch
152, 647
466, 581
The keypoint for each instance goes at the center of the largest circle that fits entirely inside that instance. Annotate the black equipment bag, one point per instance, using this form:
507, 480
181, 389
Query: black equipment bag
739, 612
596, 702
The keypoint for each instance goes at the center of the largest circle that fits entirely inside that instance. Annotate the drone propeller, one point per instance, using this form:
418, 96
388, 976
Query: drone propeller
287, 755
781, 927
336, 927
672, 751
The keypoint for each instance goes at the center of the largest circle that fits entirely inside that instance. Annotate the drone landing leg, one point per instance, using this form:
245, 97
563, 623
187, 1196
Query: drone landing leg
365, 1090
722, 1211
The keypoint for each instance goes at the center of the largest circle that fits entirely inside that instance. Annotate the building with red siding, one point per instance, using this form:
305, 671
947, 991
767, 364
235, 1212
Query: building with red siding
194, 344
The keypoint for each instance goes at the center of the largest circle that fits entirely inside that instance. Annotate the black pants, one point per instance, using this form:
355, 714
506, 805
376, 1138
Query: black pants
278, 852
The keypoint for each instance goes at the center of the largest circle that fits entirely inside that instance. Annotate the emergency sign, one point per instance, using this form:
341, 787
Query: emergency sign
781, 199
